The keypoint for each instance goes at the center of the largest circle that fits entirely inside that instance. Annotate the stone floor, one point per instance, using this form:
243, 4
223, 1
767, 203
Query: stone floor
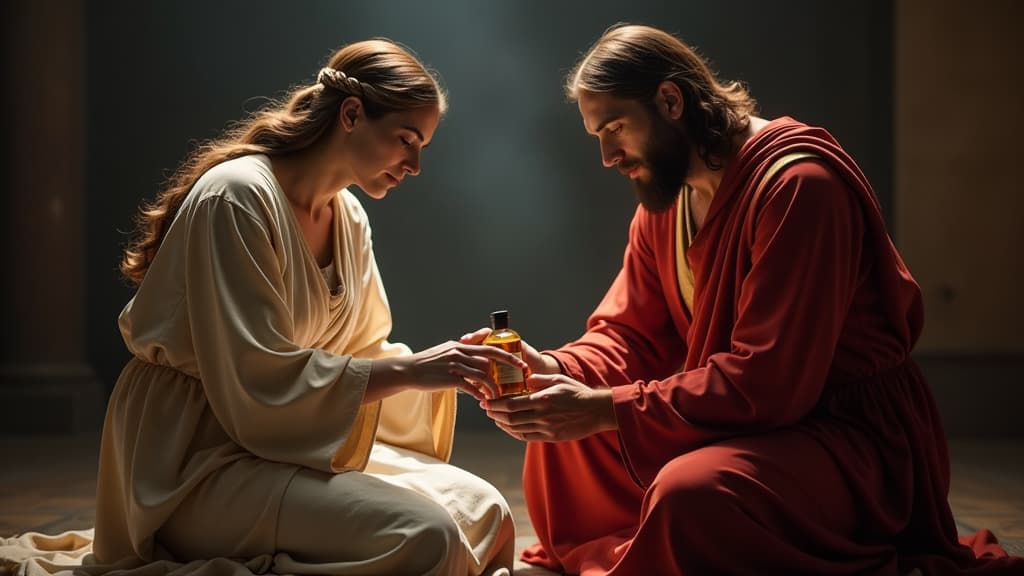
47, 484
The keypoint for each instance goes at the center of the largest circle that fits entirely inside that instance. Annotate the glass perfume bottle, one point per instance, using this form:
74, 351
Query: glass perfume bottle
511, 380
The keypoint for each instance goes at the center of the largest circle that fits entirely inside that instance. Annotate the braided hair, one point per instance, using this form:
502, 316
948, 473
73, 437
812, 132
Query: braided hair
385, 76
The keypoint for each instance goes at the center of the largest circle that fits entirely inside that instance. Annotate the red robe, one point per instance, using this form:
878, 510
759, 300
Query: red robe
782, 428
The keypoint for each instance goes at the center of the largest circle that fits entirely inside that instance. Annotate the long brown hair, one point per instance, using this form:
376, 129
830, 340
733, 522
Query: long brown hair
630, 61
385, 76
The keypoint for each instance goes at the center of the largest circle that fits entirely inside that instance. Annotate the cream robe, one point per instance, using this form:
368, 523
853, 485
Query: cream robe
240, 351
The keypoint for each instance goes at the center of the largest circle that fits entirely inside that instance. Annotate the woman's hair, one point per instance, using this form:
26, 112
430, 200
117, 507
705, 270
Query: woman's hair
385, 76
630, 61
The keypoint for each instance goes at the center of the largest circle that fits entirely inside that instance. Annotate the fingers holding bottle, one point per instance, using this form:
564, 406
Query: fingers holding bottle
538, 363
465, 367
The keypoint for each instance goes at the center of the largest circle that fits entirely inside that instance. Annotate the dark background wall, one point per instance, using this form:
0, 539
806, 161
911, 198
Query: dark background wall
513, 209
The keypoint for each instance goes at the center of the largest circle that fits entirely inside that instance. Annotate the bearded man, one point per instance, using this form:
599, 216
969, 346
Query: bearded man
743, 400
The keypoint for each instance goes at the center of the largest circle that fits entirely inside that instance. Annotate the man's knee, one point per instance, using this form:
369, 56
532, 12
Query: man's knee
698, 484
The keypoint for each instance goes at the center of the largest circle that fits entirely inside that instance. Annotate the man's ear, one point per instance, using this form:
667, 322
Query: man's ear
668, 99
351, 112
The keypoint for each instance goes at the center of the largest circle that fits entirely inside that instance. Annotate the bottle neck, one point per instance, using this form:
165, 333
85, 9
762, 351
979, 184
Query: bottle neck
499, 321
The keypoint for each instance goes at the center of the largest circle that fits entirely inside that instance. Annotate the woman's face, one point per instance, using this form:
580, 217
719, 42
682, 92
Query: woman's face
385, 150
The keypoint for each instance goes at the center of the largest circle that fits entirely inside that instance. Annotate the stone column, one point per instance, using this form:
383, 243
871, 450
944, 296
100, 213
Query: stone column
960, 202
46, 383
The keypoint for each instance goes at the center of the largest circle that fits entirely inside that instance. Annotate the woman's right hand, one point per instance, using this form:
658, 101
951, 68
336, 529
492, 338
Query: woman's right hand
538, 363
448, 365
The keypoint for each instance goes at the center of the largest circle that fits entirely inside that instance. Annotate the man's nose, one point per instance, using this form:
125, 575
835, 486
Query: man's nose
610, 155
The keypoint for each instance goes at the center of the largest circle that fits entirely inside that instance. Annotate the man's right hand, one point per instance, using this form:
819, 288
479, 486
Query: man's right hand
538, 363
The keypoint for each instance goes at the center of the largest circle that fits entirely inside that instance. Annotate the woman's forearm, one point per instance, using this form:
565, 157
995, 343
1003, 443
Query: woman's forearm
388, 376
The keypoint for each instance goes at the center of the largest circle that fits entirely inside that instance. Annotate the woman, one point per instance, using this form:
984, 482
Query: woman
264, 416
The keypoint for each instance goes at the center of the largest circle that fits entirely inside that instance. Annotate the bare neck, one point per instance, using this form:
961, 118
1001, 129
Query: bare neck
703, 180
311, 178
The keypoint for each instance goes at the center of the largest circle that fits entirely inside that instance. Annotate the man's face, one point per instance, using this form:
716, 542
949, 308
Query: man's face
646, 148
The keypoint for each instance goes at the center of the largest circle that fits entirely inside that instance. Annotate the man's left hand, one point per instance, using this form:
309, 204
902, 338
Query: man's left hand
564, 409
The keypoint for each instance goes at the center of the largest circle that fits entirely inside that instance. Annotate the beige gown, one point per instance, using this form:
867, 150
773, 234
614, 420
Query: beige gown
238, 429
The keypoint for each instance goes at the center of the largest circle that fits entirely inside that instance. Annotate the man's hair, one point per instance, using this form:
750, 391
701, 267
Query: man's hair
630, 61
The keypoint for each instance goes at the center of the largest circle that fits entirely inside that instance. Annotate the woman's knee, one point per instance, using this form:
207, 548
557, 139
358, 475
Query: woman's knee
433, 544
488, 503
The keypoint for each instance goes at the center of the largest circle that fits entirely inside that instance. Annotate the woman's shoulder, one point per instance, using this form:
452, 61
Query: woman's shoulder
238, 179
246, 181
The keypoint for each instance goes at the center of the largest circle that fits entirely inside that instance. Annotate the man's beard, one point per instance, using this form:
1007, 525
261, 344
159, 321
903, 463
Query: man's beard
667, 158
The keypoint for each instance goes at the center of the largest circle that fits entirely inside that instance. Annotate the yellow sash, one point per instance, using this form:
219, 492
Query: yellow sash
685, 226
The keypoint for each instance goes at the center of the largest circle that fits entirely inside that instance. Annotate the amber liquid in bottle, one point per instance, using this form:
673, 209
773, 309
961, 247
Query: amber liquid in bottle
510, 379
